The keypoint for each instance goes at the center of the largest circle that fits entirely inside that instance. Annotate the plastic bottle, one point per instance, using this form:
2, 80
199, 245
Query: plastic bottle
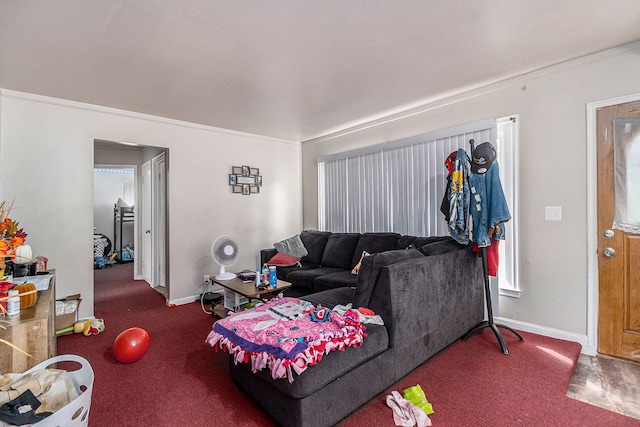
13, 303
257, 277
273, 280
265, 274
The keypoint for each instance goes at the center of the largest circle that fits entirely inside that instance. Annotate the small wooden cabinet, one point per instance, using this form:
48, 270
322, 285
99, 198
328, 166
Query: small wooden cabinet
33, 330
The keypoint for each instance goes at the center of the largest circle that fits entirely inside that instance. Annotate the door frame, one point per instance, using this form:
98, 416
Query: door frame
146, 223
160, 222
592, 217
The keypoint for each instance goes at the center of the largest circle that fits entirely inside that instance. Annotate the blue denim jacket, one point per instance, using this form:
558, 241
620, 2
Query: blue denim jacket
489, 210
459, 195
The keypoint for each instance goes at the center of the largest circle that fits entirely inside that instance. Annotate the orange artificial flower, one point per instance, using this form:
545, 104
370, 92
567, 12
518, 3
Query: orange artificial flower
11, 236
4, 247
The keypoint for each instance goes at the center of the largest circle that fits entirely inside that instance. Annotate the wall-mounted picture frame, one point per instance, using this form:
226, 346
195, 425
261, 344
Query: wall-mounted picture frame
245, 180
249, 180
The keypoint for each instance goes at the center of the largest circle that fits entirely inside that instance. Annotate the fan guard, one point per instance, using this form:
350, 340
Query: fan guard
224, 251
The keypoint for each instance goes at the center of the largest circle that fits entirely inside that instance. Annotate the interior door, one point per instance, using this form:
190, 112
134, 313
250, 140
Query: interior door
159, 218
618, 154
146, 223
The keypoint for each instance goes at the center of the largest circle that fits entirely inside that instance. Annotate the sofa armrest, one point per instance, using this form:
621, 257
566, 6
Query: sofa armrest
266, 255
423, 300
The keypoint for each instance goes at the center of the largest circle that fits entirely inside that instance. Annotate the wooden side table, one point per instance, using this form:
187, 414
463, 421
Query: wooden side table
33, 330
237, 292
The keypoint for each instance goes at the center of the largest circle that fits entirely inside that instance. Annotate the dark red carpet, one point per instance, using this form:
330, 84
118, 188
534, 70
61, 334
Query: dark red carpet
181, 381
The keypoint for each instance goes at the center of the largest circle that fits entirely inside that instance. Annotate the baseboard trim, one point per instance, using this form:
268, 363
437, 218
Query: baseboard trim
549, 332
192, 298
185, 300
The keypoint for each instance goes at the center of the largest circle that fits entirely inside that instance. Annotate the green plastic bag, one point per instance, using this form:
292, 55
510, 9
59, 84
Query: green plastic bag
416, 396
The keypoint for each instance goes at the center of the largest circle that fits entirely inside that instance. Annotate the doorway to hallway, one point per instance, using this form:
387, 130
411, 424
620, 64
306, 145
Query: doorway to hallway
144, 237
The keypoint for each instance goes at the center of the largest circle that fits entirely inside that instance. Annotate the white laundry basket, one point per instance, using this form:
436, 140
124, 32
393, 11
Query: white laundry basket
76, 412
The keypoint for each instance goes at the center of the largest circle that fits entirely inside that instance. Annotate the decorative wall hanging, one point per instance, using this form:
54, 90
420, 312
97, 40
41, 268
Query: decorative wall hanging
245, 180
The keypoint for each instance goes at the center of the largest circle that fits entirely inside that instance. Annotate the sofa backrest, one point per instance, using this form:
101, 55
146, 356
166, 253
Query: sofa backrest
370, 269
422, 241
412, 296
339, 250
405, 241
314, 242
344, 250
440, 246
374, 243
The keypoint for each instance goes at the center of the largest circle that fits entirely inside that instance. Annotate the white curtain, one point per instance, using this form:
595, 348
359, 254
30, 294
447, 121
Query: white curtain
396, 186
626, 149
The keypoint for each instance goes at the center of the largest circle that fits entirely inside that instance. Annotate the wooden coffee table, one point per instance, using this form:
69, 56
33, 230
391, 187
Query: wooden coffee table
238, 292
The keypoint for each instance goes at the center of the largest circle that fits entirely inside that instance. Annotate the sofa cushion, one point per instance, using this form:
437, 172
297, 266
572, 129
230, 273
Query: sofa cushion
267, 254
314, 242
421, 241
304, 277
374, 243
339, 250
371, 268
282, 272
405, 241
331, 367
338, 279
331, 297
442, 246
293, 246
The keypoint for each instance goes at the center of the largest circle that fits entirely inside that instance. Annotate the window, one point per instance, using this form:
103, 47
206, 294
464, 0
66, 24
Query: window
398, 186
507, 150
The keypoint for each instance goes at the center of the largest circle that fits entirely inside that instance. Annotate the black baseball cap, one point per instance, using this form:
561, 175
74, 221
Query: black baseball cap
482, 157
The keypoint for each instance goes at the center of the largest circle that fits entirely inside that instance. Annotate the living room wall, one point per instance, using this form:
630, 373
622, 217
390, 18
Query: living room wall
46, 165
552, 171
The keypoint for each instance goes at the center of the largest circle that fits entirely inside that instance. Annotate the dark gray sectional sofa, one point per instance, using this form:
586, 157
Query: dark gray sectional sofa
427, 295
332, 256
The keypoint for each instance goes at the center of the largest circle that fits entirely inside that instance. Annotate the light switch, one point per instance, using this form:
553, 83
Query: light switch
553, 213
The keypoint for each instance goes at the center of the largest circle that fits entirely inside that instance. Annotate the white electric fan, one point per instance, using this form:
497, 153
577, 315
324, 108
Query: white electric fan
225, 252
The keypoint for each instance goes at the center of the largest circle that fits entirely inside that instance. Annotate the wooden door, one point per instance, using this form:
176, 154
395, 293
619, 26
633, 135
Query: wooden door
618, 249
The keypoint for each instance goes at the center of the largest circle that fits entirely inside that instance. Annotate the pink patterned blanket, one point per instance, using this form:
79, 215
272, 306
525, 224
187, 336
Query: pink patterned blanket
285, 334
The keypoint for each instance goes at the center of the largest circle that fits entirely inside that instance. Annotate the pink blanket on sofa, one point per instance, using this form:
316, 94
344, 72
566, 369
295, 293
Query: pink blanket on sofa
285, 335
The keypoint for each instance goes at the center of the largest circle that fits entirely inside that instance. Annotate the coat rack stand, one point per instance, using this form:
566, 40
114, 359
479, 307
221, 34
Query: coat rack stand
489, 323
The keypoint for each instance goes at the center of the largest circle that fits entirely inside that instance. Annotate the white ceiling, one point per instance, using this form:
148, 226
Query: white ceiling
292, 69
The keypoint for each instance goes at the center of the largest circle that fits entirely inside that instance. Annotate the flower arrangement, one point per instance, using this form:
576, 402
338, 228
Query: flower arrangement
11, 236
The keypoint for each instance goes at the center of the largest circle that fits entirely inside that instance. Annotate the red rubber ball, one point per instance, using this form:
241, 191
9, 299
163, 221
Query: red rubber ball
131, 344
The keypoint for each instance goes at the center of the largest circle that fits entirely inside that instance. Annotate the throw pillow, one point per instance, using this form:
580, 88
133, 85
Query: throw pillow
283, 260
356, 269
293, 246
